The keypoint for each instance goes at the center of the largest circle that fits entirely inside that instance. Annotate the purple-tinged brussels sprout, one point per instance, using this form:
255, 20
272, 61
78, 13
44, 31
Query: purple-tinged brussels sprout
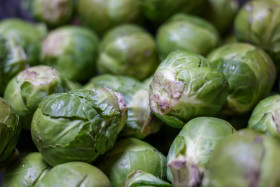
192, 148
185, 86
26, 90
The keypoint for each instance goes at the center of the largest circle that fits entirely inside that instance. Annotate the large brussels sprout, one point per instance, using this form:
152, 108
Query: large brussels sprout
25, 91
12, 61
138, 178
26, 35
128, 50
10, 128
26, 171
140, 121
52, 12
72, 51
79, 125
106, 14
158, 11
132, 154
74, 174
192, 148
258, 23
186, 32
250, 73
243, 160
266, 116
186, 86
221, 13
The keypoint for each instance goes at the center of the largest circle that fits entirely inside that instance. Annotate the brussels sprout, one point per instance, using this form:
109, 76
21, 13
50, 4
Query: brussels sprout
53, 12
140, 121
71, 50
186, 32
186, 86
258, 23
192, 148
103, 15
266, 116
245, 159
10, 128
25, 91
74, 174
147, 82
132, 154
158, 11
78, 125
128, 50
12, 61
250, 73
26, 172
26, 35
221, 13
137, 178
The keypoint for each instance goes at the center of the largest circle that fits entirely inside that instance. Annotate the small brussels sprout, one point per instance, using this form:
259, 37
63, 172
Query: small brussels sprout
26, 171
221, 13
103, 15
137, 178
132, 154
128, 50
250, 73
12, 61
186, 86
158, 11
79, 125
53, 12
258, 23
25, 91
192, 148
71, 50
188, 33
10, 128
73, 174
26, 35
244, 159
140, 121
266, 116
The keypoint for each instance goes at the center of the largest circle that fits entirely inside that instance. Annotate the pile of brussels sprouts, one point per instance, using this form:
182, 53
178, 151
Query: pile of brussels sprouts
141, 93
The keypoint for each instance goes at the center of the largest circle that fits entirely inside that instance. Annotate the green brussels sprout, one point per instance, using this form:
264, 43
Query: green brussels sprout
140, 120
128, 50
26, 171
221, 13
137, 178
103, 15
157, 11
79, 125
53, 12
26, 35
192, 148
25, 91
258, 23
243, 160
73, 174
250, 73
186, 86
10, 128
266, 116
71, 50
188, 33
132, 154
12, 61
